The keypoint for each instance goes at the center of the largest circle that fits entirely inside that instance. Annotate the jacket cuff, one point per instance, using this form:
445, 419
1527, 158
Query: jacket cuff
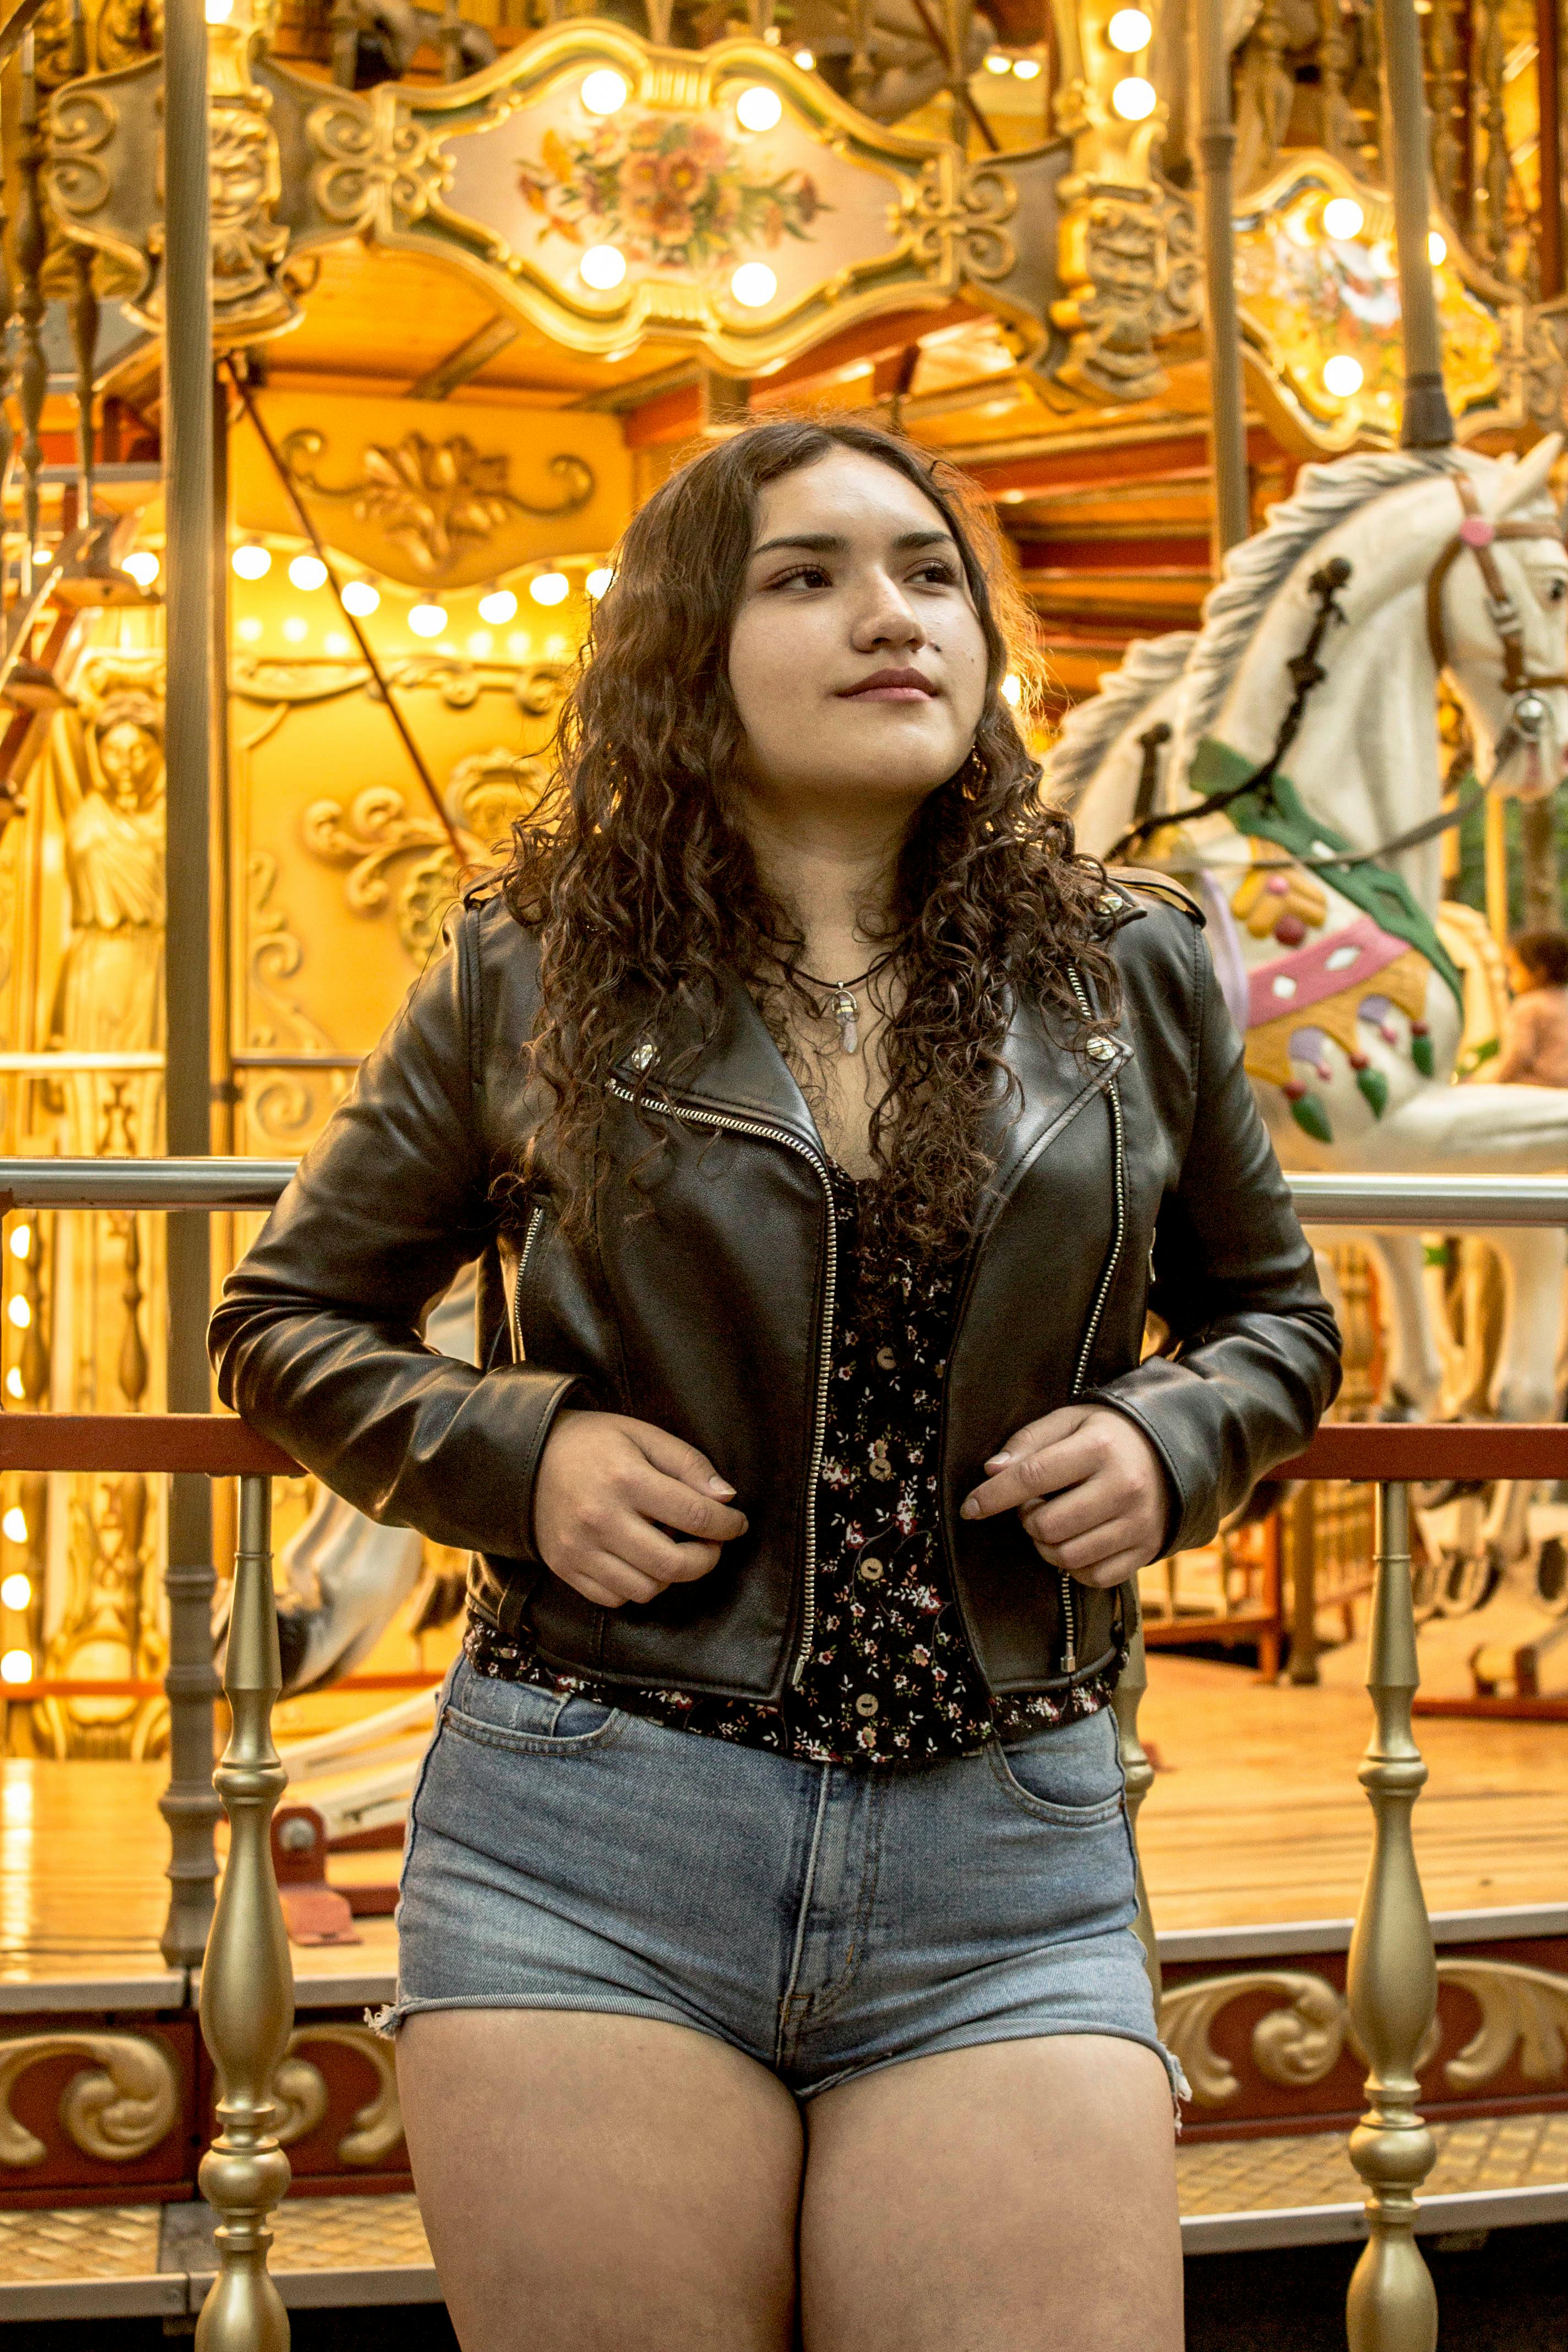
1177, 1508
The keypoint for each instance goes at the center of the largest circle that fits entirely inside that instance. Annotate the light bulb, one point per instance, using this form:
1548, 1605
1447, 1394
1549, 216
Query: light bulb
1013, 688
21, 1241
996, 63
759, 108
16, 1524
16, 1667
361, 598
14, 1383
20, 1313
219, 12
481, 644
1129, 30
295, 630
549, 588
16, 1590
251, 561
1343, 217
1342, 375
1133, 98
497, 607
249, 630
602, 267
753, 284
1026, 68
427, 620
307, 572
598, 580
1436, 248
142, 566
805, 60
336, 645
605, 91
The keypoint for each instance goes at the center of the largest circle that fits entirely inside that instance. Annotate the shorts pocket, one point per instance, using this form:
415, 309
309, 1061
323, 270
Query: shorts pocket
1070, 1774
527, 1717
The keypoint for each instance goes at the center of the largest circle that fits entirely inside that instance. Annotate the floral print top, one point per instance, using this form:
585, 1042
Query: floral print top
890, 1678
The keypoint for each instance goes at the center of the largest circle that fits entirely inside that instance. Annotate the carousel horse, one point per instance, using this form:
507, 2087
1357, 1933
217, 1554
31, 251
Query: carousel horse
1284, 762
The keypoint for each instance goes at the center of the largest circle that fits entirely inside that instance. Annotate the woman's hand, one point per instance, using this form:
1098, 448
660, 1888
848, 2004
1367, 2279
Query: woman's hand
608, 1488
1089, 1488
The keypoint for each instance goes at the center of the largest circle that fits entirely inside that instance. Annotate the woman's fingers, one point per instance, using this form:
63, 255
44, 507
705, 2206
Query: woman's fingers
1063, 1458
679, 1460
671, 1502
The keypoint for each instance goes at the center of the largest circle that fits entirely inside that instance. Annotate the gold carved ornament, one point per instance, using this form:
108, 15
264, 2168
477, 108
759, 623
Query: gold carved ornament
301, 2095
378, 171
125, 2100
435, 500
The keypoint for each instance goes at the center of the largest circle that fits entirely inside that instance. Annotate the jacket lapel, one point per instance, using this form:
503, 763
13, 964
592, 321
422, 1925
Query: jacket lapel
1055, 1085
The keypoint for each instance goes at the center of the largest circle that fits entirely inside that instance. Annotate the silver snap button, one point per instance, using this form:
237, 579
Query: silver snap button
866, 1704
872, 1571
1100, 1049
641, 1055
1110, 903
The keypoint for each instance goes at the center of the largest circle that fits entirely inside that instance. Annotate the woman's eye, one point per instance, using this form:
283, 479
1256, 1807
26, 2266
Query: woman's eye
810, 574
942, 573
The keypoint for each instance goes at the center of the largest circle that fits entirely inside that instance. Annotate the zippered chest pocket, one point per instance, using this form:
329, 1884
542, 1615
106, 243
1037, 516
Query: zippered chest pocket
525, 1258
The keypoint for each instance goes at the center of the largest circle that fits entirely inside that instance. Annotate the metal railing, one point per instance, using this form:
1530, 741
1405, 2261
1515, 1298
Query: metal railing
246, 1998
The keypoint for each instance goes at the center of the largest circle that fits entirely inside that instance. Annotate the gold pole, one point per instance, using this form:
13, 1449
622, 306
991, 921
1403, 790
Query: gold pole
1139, 1775
1393, 1981
1495, 847
247, 1987
1227, 405
1426, 422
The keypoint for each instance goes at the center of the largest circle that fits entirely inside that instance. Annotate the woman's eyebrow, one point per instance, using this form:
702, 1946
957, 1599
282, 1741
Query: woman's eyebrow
832, 542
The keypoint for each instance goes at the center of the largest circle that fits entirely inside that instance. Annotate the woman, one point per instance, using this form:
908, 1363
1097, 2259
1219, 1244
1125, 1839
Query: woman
824, 1129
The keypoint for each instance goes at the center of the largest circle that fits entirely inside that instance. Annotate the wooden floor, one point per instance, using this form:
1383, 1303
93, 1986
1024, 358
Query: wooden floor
1256, 1815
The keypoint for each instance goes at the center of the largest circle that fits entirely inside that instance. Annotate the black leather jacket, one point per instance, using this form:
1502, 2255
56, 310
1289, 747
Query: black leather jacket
1142, 1178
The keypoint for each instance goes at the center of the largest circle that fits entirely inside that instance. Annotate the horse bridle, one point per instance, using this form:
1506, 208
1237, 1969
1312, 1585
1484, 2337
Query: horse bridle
1477, 535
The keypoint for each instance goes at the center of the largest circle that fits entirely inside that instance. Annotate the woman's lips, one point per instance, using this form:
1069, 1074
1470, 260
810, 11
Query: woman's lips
891, 686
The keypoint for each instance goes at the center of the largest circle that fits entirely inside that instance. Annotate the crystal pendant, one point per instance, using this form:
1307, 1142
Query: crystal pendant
849, 1018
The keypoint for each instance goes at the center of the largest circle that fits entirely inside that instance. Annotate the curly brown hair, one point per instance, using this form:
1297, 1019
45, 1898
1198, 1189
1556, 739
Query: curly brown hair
646, 896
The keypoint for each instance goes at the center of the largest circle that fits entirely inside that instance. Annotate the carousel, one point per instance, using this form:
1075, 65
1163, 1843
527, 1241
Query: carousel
342, 342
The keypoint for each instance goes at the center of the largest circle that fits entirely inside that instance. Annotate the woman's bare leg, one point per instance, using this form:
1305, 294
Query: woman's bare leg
591, 2183
1018, 2196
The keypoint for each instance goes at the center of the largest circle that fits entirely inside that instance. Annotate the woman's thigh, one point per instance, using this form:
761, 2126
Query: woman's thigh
592, 2181
1015, 2197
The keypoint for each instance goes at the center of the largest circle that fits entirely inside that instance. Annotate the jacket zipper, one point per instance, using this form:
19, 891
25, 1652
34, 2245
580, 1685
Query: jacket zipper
736, 1126
1119, 1236
535, 1218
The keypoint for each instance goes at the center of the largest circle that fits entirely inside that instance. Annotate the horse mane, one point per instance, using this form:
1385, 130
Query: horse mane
1255, 569
1091, 727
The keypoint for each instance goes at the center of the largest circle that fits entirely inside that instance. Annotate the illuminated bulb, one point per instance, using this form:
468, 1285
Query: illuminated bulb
14, 1383
996, 63
805, 60
16, 1667
219, 12
1343, 217
758, 109
549, 588
360, 598
518, 646
337, 644
598, 580
605, 91
16, 1590
497, 607
20, 1313
1342, 375
428, 620
22, 1241
1436, 248
296, 630
251, 561
481, 644
1013, 688
753, 284
1026, 68
307, 572
142, 566
249, 630
602, 267
1129, 30
16, 1524
1133, 98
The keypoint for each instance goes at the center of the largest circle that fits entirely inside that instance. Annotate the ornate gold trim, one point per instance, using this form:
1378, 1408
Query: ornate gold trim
125, 2100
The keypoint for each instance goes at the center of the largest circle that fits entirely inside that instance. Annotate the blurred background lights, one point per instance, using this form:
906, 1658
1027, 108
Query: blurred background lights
14, 1383
16, 1667
601, 267
219, 12
996, 63
1129, 30
247, 630
1133, 98
142, 566
1343, 217
20, 1313
21, 1240
335, 643
605, 91
307, 572
251, 561
1013, 688
296, 630
1026, 68
1342, 375
599, 579
1437, 247
361, 598
16, 1590
549, 588
753, 284
805, 60
759, 108
497, 607
428, 620
481, 644
16, 1525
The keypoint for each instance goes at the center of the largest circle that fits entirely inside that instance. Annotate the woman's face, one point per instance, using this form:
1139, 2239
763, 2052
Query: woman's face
856, 659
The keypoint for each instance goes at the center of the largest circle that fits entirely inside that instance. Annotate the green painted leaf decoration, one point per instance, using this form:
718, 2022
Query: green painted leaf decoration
1421, 1055
1310, 1116
1374, 1086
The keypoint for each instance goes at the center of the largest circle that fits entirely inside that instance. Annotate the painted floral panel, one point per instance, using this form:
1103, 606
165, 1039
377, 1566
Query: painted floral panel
668, 190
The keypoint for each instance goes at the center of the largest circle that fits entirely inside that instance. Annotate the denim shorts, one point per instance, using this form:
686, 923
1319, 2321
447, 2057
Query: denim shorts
825, 1918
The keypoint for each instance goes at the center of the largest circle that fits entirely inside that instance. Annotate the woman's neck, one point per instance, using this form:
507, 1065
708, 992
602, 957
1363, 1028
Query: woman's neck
834, 871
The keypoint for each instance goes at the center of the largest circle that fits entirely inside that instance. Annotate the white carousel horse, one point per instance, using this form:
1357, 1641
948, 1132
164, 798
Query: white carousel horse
1285, 762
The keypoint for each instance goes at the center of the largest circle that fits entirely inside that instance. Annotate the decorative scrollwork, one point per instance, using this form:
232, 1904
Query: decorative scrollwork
435, 499
963, 233
119, 2107
1521, 2006
378, 170
82, 123
1295, 2045
299, 2091
1129, 265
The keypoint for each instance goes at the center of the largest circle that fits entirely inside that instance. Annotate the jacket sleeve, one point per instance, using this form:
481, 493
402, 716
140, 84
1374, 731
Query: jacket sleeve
1256, 1354
317, 1339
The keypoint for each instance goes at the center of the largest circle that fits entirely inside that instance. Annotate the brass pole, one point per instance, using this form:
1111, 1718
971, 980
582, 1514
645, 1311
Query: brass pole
1548, 97
1217, 148
84, 313
188, 1804
1427, 422
1392, 1976
1139, 1776
247, 1986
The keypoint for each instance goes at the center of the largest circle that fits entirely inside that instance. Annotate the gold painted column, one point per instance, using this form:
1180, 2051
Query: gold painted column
1427, 424
1139, 1776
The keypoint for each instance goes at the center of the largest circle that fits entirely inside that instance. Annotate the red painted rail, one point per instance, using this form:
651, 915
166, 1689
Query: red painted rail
1375, 1450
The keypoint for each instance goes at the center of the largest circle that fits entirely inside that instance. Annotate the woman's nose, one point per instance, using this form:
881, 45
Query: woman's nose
889, 619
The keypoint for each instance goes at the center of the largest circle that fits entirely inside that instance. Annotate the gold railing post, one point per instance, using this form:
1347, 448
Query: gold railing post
1139, 1775
247, 1987
1393, 1984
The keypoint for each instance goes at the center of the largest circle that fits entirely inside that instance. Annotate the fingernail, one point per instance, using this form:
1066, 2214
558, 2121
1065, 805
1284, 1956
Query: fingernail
970, 1508
722, 1487
994, 1461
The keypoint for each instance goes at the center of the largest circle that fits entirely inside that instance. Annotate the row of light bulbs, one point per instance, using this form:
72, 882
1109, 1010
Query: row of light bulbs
17, 1590
362, 597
